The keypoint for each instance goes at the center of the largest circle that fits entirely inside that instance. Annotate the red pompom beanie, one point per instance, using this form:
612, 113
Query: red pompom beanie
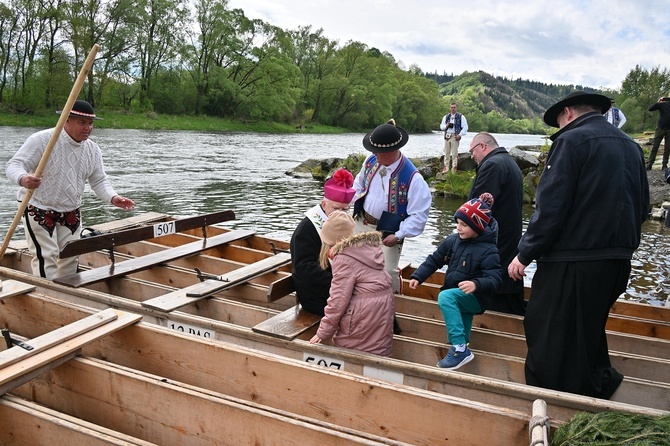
339, 187
476, 213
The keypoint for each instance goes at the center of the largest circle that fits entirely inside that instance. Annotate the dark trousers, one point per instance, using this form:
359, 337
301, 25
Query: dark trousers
565, 326
658, 137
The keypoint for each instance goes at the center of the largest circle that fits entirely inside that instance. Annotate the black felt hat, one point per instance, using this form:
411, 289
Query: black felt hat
83, 109
385, 138
576, 98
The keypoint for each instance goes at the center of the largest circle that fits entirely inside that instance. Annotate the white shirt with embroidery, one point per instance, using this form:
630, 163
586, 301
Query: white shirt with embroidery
64, 178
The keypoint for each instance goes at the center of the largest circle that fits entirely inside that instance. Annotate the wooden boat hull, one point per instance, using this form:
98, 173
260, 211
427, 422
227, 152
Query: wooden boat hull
494, 379
159, 386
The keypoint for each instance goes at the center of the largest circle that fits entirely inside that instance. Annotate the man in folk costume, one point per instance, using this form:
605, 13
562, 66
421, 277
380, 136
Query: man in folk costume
312, 283
391, 195
454, 125
53, 215
615, 116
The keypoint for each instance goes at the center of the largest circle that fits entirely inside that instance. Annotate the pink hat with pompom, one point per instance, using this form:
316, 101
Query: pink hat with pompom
339, 187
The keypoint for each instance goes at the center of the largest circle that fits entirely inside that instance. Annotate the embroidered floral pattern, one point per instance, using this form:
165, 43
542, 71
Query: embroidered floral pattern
49, 219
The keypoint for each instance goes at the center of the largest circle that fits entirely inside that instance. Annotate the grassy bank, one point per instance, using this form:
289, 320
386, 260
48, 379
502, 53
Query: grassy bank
154, 121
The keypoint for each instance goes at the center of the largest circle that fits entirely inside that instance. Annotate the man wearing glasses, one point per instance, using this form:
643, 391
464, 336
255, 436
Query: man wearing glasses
498, 174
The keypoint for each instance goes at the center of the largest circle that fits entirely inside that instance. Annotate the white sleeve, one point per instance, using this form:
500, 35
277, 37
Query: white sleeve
419, 200
622, 118
464, 126
443, 124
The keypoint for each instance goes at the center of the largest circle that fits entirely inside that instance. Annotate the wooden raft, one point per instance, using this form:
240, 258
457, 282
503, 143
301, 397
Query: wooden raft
141, 263
124, 237
18, 366
172, 301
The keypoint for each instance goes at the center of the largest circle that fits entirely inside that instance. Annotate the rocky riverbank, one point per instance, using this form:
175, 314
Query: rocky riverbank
529, 158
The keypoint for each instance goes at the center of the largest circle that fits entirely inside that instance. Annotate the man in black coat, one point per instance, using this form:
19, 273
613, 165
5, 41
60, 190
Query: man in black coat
591, 201
499, 175
312, 283
662, 131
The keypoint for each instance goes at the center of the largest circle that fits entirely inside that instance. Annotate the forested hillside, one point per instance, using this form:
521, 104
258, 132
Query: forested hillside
201, 57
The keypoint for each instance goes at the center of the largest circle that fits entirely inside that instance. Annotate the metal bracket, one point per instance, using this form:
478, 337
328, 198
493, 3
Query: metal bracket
275, 250
12, 342
206, 276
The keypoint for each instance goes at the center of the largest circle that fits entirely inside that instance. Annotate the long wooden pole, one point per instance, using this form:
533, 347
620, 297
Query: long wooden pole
79, 83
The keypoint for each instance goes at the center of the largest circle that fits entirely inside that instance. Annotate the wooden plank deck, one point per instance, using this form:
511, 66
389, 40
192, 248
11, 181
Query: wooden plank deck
126, 236
140, 263
185, 296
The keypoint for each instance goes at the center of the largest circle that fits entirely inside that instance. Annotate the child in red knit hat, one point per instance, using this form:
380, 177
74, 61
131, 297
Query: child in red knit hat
473, 274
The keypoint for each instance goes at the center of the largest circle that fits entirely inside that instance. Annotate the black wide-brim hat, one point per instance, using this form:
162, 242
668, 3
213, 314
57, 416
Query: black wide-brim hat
83, 109
576, 98
385, 138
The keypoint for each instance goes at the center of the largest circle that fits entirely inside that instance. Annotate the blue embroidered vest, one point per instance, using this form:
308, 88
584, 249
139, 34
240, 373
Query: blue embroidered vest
616, 119
457, 123
399, 182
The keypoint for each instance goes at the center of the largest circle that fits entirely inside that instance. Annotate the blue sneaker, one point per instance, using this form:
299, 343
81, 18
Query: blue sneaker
455, 359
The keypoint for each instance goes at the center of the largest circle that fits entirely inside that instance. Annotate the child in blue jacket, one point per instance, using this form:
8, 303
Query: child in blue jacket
473, 274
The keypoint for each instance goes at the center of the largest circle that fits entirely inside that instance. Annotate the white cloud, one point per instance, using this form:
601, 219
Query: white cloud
593, 43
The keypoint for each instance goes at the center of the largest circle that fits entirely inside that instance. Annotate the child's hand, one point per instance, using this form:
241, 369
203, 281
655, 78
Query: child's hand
315, 340
467, 286
413, 283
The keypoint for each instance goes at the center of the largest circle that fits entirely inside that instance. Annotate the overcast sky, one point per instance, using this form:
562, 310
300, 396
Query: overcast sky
593, 43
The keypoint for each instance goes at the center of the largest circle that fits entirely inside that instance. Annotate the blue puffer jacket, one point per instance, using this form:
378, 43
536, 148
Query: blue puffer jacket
475, 259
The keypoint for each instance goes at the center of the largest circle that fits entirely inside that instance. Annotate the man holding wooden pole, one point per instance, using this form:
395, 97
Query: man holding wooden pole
52, 216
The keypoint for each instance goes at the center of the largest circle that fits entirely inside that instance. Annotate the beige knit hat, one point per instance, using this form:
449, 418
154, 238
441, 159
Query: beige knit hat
339, 226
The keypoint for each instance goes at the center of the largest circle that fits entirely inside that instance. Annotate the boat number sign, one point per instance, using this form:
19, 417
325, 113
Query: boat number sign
323, 361
190, 329
164, 228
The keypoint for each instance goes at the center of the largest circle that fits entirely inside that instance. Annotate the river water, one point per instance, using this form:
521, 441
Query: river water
187, 173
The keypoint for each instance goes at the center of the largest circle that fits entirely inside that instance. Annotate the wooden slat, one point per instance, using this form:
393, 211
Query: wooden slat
185, 296
130, 222
141, 263
112, 239
280, 288
51, 339
12, 375
288, 324
13, 288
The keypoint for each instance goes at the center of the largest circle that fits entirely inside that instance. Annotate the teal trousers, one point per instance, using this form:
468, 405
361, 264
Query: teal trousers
458, 310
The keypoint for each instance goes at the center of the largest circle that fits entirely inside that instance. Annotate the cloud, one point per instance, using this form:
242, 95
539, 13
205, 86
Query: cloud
587, 42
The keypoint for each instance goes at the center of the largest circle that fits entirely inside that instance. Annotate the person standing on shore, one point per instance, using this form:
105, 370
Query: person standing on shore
499, 175
591, 201
662, 131
455, 126
53, 215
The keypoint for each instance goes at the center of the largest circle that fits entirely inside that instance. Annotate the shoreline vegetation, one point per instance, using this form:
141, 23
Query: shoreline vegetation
155, 121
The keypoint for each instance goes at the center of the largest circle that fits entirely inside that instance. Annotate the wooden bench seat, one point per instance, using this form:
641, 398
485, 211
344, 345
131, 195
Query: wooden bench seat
172, 301
288, 324
126, 236
145, 262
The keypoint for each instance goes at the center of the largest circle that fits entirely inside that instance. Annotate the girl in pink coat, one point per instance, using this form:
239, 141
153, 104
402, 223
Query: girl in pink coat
359, 312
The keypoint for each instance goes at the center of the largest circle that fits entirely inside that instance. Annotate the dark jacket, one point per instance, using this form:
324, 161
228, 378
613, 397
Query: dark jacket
592, 198
663, 114
312, 284
499, 175
474, 259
